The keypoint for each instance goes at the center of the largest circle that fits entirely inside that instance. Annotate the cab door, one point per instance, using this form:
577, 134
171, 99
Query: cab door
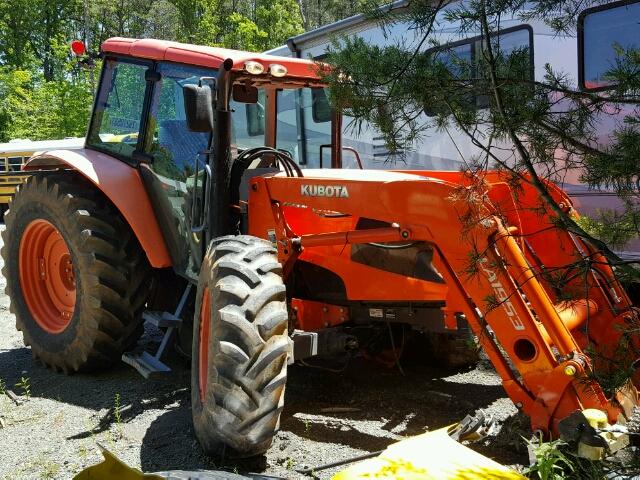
175, 175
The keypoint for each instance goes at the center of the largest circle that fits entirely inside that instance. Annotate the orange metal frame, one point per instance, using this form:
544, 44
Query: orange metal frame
503, 245
113, 177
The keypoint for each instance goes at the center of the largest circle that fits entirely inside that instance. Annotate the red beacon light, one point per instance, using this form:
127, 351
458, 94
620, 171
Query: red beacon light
78, 48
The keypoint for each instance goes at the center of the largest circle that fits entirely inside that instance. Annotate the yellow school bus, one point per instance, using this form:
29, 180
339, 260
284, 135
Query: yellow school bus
15, 153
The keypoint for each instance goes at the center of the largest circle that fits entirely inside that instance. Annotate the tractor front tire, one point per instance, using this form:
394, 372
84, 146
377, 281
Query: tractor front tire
240, 347
76, 275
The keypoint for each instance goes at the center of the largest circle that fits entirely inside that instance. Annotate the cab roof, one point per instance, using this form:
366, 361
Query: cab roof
203, 56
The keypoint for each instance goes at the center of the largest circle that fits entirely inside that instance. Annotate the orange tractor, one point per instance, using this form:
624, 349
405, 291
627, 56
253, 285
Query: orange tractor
191, 176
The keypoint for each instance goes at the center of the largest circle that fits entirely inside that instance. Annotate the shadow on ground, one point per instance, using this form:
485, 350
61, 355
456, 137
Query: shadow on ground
391, 402
405, 404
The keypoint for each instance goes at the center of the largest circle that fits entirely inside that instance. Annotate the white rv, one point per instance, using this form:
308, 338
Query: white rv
585, 64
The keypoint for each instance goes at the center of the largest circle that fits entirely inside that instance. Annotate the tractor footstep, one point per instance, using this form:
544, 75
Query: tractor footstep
146, 364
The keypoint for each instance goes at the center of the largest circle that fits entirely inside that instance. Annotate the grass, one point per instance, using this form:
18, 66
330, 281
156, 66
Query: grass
3, 387
551, 463
83, 452
556, 461
25, 386
117, 413
40, 467
49, 469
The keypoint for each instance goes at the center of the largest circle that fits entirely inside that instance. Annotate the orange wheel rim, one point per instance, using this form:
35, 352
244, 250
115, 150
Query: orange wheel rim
203, 349
47, 276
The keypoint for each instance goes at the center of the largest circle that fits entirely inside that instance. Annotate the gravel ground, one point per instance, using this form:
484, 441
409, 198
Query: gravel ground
55, 431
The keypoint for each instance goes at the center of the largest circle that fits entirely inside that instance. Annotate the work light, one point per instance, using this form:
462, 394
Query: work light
277, 70
254, 68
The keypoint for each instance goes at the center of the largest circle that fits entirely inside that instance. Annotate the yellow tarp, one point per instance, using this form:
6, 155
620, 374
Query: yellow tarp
113, 469
432, 455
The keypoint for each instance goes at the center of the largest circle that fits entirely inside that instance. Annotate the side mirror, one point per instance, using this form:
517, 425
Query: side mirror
245, 93
320, 107
198, 107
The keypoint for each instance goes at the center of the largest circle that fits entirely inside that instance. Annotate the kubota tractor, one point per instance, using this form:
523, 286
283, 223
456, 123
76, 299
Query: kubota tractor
189, 178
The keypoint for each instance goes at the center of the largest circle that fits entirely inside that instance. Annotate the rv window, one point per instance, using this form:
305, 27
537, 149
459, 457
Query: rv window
459, 57
602, 31
456, 58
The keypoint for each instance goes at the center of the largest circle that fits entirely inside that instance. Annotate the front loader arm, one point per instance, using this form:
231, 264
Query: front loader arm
487, 259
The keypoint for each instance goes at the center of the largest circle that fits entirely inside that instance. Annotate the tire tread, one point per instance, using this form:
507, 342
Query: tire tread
243, 415
115, 278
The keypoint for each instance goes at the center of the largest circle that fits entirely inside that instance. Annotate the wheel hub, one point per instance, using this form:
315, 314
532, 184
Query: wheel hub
47, 276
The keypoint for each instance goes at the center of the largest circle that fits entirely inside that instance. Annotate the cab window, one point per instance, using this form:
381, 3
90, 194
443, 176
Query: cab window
248, 123
303, 126
115, 126
173, 147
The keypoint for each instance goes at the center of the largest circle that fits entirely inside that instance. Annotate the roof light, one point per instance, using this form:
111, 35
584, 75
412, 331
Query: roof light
254, 68
78, 48
277, 70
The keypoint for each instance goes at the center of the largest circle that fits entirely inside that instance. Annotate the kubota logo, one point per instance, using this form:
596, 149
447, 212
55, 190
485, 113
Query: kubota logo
501, 295
334, 191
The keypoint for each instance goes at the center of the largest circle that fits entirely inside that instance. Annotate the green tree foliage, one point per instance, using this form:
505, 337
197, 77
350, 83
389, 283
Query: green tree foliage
36, 109
45, 95
315, 13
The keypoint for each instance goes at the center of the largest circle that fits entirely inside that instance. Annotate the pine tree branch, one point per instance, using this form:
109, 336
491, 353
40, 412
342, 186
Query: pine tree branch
535, 180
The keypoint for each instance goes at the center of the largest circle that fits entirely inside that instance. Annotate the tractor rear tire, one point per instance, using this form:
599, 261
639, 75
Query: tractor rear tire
240, 347
76, 276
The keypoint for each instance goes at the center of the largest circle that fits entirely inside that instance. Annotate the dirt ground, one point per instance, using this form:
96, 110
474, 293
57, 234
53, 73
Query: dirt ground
55, 430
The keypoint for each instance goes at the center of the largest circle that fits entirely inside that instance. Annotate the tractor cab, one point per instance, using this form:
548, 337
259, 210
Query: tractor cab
238, 102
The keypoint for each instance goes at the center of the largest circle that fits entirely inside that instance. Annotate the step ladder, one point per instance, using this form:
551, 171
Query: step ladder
149, 365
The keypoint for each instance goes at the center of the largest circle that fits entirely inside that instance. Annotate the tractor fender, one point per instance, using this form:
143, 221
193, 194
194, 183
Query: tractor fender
122, 184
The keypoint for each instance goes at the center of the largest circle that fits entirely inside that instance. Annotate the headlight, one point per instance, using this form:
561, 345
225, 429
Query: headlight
254, 68
277, 70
